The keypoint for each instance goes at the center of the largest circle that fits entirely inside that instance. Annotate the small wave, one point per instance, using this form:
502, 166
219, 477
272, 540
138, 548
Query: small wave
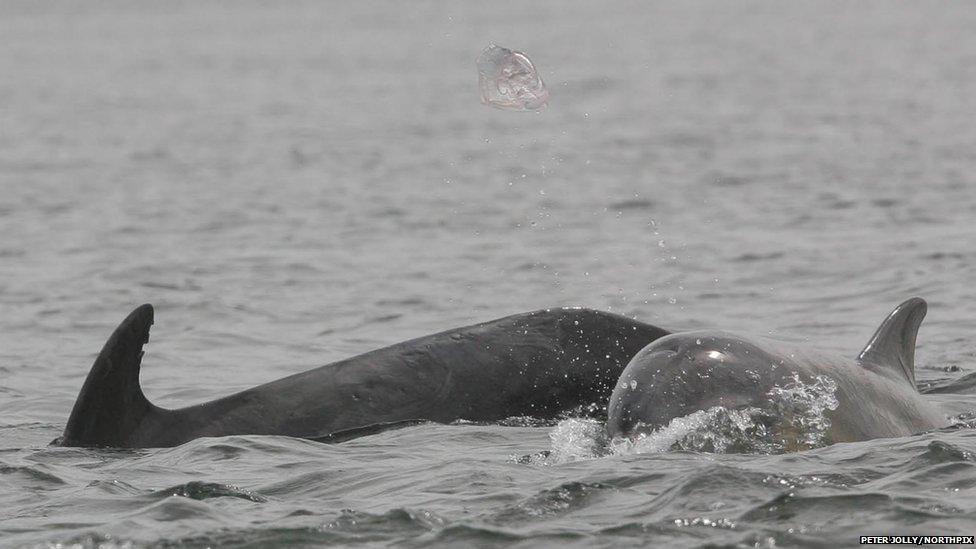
37, 478
205, 490
89, 541
115, 487
965, 420
555, 501
584, 411
817, 509
395, 521
826, 480
943, 452
469, 535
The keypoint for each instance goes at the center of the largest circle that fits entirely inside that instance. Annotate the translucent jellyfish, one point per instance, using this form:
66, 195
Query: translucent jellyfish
509, 80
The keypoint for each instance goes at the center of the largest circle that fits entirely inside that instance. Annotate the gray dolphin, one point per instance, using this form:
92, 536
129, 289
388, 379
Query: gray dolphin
686, 372
536, 364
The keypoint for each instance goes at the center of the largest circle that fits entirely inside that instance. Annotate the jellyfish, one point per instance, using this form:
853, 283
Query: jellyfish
509, 80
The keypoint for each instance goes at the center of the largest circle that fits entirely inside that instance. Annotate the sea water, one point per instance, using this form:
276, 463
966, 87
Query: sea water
294, 183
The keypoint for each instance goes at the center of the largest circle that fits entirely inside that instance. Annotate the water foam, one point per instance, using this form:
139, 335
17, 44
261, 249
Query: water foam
716, 430
578, 440
793, 418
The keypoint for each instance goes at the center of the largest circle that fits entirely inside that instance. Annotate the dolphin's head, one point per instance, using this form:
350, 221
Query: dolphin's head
683, 373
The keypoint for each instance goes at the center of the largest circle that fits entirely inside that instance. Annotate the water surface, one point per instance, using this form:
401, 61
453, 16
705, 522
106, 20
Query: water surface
293, 184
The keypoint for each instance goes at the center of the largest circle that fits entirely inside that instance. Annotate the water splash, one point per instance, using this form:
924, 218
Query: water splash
578, 440
716, 430
793, 418
966, 420
800, 410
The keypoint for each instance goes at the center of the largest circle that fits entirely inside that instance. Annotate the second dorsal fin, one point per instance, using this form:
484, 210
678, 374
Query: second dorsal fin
893, 345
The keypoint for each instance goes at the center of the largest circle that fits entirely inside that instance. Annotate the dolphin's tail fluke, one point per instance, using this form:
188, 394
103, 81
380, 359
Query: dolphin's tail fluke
111, 405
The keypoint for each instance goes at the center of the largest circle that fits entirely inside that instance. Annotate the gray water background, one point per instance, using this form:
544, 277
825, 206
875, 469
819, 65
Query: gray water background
294, 183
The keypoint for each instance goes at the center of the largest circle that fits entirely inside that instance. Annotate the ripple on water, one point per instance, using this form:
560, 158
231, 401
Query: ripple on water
349, 527
551, 502
938, 451
817, 511
115, 487
199, 490
394, 521
176, 507
207, 451
303, 483
32, 478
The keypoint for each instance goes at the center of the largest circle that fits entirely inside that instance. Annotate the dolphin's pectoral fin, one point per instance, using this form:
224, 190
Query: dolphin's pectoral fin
893, 345
111, 404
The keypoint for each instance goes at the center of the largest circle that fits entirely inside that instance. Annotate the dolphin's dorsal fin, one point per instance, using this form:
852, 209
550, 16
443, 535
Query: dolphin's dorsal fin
893, 345
111, 404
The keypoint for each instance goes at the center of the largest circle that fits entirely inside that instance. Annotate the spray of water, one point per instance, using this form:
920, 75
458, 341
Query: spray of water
793, 418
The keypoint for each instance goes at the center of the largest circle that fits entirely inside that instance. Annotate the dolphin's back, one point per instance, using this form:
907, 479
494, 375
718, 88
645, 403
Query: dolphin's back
535, 364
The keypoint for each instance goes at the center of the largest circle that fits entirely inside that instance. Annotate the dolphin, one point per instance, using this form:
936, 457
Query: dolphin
686, 372
540, 364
